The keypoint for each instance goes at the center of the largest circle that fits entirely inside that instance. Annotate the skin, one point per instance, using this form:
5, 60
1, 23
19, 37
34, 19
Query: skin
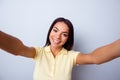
14, 46
58, 37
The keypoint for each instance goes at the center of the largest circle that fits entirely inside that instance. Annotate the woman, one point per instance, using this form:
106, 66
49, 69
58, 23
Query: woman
55, 60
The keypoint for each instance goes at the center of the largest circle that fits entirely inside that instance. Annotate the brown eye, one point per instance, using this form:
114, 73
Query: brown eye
66, 35
54, 30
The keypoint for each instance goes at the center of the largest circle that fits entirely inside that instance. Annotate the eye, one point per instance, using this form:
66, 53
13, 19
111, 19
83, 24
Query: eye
66, 35
54, 30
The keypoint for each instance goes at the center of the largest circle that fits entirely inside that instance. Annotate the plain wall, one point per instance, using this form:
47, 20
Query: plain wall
96, 23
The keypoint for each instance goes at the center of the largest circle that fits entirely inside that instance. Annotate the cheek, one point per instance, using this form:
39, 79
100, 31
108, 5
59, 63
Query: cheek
65, 39
51, 34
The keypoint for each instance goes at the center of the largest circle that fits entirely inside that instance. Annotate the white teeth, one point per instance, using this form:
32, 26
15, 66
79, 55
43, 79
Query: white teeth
56, 41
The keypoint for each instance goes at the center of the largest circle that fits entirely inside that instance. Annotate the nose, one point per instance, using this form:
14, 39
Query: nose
58, 35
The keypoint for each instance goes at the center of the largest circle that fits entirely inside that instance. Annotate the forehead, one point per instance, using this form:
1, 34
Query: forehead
61, 26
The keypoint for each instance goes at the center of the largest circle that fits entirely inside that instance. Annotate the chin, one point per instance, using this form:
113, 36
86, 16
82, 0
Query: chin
56, 46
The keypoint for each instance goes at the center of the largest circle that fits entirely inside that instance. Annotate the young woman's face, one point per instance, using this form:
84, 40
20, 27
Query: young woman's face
59, 35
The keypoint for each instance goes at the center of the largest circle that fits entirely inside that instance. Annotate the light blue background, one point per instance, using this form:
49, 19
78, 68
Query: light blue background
96, 23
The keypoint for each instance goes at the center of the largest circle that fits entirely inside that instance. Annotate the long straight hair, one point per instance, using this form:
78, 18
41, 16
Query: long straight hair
69, 43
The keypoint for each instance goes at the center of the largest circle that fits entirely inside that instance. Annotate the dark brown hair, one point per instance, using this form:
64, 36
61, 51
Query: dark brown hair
69, 44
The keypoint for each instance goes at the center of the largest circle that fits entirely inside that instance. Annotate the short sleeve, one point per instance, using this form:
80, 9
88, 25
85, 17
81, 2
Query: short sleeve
75, 57
38, 50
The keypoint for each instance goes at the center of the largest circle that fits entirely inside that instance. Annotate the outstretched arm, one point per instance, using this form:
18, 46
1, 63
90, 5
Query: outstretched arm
14, 46
101, 55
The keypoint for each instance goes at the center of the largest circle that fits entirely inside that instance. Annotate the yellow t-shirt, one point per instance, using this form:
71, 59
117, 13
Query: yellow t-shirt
49, 68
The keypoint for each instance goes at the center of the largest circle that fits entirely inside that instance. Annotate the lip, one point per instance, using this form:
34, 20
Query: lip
56, 41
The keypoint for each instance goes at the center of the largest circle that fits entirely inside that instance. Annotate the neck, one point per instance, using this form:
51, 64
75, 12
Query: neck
55, 50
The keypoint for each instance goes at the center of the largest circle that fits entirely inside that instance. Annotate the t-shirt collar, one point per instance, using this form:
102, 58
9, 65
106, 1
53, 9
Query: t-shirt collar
63, 50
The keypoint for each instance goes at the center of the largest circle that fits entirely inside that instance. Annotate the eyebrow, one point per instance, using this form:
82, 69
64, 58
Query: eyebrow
58, 30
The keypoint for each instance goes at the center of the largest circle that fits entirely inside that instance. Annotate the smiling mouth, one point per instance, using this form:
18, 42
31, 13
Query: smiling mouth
56, 41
